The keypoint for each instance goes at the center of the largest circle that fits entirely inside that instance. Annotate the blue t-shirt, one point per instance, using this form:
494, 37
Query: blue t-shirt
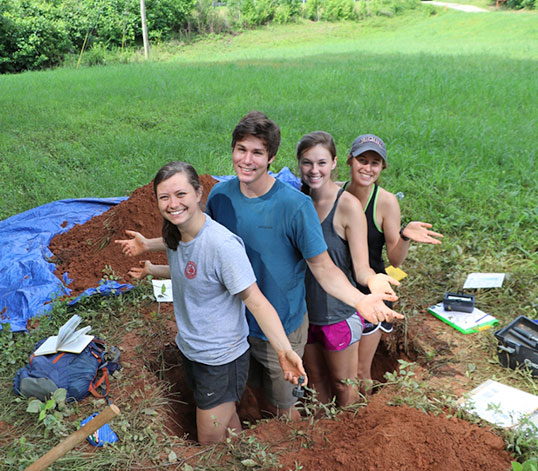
280, 229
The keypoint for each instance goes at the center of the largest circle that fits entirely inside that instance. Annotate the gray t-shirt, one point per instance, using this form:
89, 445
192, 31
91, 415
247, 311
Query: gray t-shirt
207, 273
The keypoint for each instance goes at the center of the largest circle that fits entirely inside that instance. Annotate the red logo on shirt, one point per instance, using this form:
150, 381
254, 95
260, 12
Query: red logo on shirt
190, 270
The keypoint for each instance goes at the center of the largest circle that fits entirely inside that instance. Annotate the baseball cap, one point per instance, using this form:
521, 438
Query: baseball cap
367, 142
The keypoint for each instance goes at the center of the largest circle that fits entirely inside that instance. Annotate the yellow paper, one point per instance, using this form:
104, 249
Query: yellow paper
395, 273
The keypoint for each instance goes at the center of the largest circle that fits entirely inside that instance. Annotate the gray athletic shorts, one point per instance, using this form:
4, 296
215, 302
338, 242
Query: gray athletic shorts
265, 371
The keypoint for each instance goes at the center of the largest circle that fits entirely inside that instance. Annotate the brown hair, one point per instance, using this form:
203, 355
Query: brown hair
170, 232
257, 124
313, 139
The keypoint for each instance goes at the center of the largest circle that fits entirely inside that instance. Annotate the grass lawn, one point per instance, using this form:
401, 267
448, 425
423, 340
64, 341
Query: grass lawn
454, 96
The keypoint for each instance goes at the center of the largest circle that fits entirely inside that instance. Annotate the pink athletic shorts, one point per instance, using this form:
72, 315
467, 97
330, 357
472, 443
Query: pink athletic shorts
339, 336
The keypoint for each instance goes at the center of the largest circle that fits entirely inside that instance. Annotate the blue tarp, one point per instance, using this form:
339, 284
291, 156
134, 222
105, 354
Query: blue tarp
27, 280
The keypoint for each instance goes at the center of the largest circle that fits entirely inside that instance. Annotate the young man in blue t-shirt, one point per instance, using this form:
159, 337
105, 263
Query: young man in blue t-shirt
282, 234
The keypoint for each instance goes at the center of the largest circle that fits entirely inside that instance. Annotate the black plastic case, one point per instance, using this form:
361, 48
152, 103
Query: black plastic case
514, 349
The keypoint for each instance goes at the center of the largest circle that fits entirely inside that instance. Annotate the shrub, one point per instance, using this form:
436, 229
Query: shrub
315, 9
205, 18
33, 35
337, 10
249, 13
520, 4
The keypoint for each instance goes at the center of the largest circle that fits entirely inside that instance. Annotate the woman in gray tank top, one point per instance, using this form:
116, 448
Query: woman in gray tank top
331, 352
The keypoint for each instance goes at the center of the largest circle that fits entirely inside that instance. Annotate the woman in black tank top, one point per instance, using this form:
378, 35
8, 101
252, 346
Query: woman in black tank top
331, 353
367, 159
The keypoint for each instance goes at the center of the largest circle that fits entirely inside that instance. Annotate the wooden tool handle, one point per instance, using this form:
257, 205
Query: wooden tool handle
74, 439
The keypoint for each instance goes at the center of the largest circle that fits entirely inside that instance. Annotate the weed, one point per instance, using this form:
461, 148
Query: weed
250, 452
52, 412
523, 442
529, 465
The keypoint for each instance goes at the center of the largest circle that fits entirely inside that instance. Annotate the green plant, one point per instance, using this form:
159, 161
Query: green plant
32, 35
529, 465
314, 409
52, 412
250, 452
523, 442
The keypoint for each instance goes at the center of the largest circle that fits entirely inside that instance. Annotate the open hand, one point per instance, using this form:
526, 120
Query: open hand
380, 283
134, 246
292, 366
373, 309
420, 232
144, 270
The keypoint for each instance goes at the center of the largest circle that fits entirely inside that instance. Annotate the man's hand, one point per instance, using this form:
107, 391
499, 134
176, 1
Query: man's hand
135, 246
380, 284
373, 309
292, 366
420, 232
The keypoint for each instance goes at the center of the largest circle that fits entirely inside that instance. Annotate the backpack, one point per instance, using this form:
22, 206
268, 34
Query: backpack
78, 373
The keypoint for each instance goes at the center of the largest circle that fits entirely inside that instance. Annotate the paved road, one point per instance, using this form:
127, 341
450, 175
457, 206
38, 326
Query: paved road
457, 6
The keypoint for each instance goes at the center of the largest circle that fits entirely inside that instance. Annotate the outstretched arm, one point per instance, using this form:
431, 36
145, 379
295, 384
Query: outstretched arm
147, 268
270, 323
138, 244
351, 215
397, 247
335, 283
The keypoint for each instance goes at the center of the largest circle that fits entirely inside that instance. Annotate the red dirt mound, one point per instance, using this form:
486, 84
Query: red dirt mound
87, 252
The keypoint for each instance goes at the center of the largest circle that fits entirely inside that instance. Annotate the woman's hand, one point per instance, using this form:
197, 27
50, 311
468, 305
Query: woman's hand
380, 283
135, 246
374, 310
420, 232
145, 269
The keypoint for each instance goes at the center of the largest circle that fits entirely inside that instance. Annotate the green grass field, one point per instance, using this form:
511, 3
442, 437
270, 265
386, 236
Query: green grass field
454, 96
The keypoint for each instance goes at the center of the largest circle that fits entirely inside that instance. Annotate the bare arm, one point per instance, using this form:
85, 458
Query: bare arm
335, 283
354, 221
138, 244
397, 247
147, 268
270, 323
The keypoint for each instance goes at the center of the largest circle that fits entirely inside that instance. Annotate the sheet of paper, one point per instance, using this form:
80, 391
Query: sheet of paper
484, 280
162, 290
68, 329
500, 404
76, 345
48, 346
397, 273
465, 320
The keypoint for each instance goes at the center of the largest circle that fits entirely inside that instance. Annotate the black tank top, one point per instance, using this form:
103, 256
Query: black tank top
323, 309
376, 238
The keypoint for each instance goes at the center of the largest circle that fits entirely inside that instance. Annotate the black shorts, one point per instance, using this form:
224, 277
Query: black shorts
215, 385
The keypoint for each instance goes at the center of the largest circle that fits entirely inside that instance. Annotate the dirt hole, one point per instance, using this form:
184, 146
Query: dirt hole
182, 415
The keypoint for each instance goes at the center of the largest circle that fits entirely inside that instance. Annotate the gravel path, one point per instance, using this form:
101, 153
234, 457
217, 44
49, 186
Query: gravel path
457, 6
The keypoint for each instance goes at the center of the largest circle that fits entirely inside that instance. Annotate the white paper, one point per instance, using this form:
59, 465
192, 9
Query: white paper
500, 404
484, 280
67, 340
162, 290
465, 320
68, 329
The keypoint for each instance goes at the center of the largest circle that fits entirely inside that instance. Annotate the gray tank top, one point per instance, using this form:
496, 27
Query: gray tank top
323, 309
